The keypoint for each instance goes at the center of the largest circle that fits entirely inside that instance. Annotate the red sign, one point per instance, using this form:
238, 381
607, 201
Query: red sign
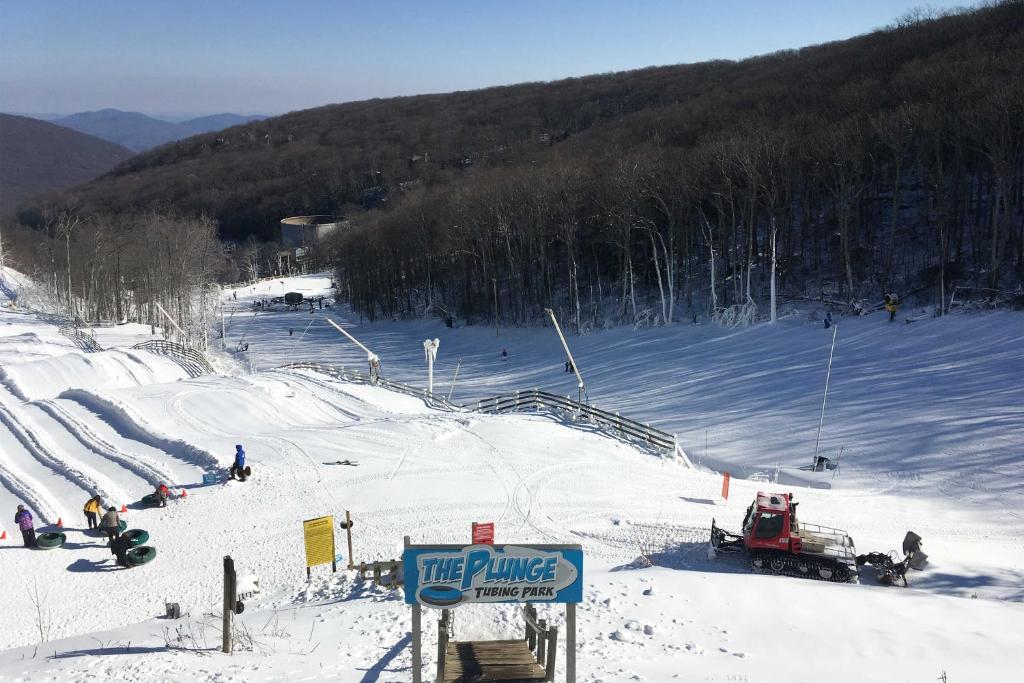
483, 533
725, 486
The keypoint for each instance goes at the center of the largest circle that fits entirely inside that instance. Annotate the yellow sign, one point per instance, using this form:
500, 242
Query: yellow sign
319, 534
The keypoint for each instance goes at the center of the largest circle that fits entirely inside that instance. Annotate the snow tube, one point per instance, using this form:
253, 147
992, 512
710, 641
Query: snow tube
50, 539
140, 555
151, 501
136, 536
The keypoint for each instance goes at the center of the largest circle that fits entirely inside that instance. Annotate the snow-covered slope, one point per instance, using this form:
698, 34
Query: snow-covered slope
929, 414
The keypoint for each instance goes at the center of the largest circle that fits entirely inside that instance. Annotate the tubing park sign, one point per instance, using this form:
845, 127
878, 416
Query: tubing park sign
446, 575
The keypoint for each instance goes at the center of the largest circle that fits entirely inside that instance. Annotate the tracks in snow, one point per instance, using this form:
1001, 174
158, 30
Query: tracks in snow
137, 464
49, 456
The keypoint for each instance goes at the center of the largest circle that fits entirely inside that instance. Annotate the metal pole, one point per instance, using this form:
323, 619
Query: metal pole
223, 329
828, 375
168, 315
453, 380
568, 353
570, 642
354, 340
301, 336
417, 646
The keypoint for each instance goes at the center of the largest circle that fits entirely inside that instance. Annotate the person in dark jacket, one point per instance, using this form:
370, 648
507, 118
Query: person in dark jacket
238, 468
23, 518
111, 524
119, 547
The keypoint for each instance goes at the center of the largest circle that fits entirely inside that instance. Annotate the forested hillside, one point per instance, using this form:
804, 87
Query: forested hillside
37, 157
891, 161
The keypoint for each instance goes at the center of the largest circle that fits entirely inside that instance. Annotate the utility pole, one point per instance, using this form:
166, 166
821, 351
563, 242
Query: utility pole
568, 353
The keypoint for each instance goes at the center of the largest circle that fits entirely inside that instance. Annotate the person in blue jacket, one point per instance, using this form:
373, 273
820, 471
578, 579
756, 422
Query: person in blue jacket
238, 468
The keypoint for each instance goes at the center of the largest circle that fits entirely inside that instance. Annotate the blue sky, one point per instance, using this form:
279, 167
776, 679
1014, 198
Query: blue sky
198, 57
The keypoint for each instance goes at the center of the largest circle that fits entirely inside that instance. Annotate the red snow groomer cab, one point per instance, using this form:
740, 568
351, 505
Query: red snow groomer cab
776, 542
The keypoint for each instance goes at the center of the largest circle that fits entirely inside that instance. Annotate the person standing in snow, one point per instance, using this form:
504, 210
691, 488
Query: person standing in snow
238, 467
119, 547
91, 510
111, 524
162, 494
892, 304
23, 518
504, 354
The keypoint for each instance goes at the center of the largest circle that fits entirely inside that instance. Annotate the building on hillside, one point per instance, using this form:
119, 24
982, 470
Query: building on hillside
307, 231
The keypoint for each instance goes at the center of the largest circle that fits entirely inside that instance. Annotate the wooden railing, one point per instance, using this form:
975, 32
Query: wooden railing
542, 640
533, 400
566, 406
193, 362
352, 375
84, 341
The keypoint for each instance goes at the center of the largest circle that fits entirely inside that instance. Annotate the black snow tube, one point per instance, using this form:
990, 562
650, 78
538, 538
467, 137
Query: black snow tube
151, 501
50, 539
140, 555
136, 536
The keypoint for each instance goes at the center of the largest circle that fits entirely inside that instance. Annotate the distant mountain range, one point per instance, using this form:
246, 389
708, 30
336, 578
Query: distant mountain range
140, 132
36, 157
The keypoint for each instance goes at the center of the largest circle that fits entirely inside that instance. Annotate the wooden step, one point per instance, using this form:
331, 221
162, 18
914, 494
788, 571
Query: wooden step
491, 660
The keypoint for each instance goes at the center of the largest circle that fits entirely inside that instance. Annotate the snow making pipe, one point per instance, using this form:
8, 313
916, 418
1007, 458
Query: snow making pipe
828, 375
369, 354
568, 353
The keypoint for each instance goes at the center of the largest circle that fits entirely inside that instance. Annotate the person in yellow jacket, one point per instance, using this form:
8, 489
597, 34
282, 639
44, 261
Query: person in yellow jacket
892, 304
91, 509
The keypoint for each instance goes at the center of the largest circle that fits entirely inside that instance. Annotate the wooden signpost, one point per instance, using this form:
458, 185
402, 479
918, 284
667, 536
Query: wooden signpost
443, 577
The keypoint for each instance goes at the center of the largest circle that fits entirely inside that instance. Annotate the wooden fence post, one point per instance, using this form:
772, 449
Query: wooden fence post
229, 601
348, 535
442, 644
542, 641
549, 664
